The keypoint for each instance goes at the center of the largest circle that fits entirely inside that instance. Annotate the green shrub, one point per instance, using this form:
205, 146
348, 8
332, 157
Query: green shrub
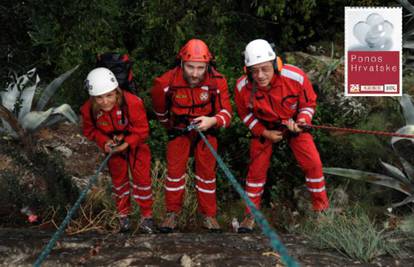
353, 234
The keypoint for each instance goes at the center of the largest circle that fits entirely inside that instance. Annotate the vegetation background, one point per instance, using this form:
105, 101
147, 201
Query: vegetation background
55, 36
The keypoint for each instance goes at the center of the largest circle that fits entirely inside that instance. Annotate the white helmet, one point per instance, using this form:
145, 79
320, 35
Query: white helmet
100, 81
258, 51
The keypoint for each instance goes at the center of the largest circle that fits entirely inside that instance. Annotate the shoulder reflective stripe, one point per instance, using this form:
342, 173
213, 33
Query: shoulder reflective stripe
175, 179
204, 87
205, 190
316, 190
314, 180
252, 124
247, 117
120, 187
242, 83
174, 188
254, 195
307, 109
161, 114
141, 188
292, 75
226, 112
255, 184
142, 197
222, 118
166, 89
205, 181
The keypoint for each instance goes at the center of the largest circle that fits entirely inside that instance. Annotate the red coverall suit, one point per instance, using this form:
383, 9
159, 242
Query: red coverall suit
129, 119
175, 105
290, 96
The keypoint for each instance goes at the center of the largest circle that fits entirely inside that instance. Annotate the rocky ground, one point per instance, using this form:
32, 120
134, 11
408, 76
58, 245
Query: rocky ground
21, 246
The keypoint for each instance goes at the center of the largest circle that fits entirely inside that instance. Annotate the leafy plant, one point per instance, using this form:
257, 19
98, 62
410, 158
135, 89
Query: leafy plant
401, 180
18, 116
353, 234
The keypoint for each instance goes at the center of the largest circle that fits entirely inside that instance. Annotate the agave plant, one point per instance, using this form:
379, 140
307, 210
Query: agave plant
401, 180
18, 115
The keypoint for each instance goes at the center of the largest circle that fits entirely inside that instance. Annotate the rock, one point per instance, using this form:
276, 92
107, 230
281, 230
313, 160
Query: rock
186, 261
65, 151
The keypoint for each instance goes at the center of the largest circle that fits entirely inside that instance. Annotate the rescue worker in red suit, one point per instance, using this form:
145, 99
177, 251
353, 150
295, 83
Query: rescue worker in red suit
116, 120
273, 99
191, 93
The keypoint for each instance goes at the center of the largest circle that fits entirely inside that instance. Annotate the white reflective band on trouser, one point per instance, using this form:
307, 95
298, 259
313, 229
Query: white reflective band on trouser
142, 198
176, 179
164, 120
254, 195
314, 180
252, 124
255, 184
316, 190
205, 190
205, 181
120, 187
174, 188
121, 195
141, 188
247, 117
161, 114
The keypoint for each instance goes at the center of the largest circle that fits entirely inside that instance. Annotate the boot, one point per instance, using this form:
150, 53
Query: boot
170, 223
146, 225
247, 225
124, 224
211, 224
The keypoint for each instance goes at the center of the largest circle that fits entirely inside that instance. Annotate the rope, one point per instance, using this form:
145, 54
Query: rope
260, 219
69, 215
357, 131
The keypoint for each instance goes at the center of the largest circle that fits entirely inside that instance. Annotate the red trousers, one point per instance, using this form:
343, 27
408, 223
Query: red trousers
139, 161
306, 155
178, 152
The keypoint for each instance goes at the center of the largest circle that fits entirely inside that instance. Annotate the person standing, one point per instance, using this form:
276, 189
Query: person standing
116, 120
273, 100
193, 92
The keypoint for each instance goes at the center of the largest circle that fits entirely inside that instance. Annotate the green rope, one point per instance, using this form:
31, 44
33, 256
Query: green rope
259, 218
68, 217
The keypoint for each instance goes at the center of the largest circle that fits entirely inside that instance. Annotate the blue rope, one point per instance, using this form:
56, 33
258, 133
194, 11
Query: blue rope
259, 218
68, 217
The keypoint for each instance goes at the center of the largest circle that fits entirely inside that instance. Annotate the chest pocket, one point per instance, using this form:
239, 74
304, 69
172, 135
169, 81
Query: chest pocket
192, 101
290, 102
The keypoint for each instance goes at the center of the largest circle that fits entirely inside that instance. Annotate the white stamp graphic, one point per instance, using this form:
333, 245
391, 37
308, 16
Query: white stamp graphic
373, 59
